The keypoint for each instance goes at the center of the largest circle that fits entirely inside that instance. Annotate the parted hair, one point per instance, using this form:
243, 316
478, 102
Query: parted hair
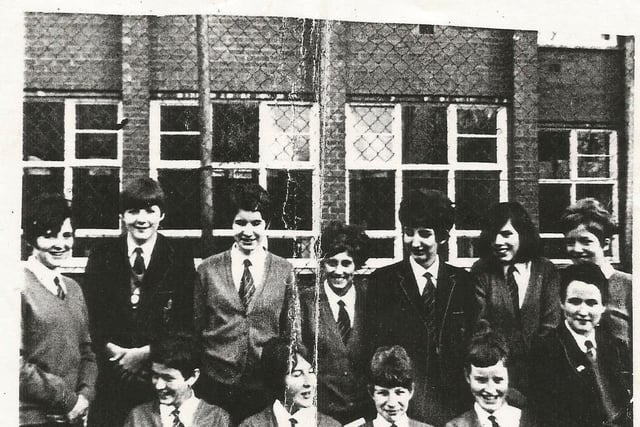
486, 347
44, 216
339, 237
177, 350
589, 213
391, 367
428, 209
587, 273
496, 218
141, 194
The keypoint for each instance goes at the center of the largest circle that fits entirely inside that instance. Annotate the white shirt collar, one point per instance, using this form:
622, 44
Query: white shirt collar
147, 248
187, 412
419, 272
45, 275
380, 421
581, 339
521, 274
506, 415
349, 301
306, 417
257, 258
607, 270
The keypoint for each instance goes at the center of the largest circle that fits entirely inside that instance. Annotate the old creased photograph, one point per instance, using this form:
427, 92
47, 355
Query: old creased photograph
293, 221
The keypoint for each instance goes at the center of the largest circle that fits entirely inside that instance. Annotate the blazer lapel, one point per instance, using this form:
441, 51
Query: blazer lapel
160, 262
327, 322
530, 310
409, 288
574, 356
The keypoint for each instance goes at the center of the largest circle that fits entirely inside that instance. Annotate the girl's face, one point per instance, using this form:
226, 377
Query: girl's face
506, 243
300, 385
584, 246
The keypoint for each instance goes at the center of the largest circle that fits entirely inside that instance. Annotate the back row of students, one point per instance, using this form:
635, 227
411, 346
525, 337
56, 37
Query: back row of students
142, 285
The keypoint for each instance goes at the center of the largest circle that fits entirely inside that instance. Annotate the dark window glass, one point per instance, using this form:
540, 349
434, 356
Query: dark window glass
593, 143
475, 193
553, 199
96, 192
468, 247
477, 150
291, 248
82, 245
593, 167
372, 195
178, 118
182, 191
37, 181
601, 192
225, 182
553, 248
381, 248
43, 131
432, 180
290, 192
96, 116
424, 134
553, 154
96, 146
220, 244
180, 147
235, 132
477, 121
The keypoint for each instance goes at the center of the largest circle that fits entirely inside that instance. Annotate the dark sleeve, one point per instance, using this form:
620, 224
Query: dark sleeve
184, 310
371, 319
482, 291
545, 391
550, 298
94, 291
88, 369
200, 291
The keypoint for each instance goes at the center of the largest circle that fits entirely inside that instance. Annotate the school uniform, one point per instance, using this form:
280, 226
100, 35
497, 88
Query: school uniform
505, 416
193, 412
405, 421
276, 415
131, 310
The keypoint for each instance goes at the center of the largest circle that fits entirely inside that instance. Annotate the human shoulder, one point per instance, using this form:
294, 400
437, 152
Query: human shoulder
215, 260
278, 261
415, 423
208, 413
388, 270
327, 421
263, 418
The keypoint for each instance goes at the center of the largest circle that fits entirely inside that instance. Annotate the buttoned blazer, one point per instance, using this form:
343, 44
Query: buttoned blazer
233, 335
166, 300
342, 369
395, 315
563, 387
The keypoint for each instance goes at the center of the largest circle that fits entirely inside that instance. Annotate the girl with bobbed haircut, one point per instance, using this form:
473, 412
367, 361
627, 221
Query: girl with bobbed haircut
516, 288
339, 237
588, 228
391, 367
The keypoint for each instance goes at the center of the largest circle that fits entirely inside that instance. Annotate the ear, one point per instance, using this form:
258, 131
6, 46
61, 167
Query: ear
413, 387
194, 377
606, 243
466, 376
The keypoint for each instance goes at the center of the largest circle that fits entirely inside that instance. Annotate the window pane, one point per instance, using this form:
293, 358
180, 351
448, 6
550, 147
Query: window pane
477, 150
224, 183
468, 247
371, 199
43, 131
96, 146
431, 180
601, 192
381, 248
553, 154
182, 192
553, 248
371, 139
477, 121
96, 116
235, 132
424, 134
553, 199
179, 118
475, 193
37, 181
180, 147
291, 194
371, 119
288, 129
82, 245
291, 248
593, 142
220, 244
96, 193
374, 148
593, 167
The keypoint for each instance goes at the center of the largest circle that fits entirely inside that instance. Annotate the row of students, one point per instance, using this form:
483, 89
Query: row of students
142, 284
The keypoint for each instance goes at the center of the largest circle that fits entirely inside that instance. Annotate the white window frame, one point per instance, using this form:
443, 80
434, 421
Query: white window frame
452, 166
575, 180
77, 264
261, 166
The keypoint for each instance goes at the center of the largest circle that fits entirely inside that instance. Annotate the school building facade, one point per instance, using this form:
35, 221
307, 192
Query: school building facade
336, 119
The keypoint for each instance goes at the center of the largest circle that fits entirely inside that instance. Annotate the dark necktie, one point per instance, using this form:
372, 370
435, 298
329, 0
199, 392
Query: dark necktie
138, 263
494, 423
293, 422
603, 391
176, 418
247, 288
512, 287
429, 303
60, 292
344, 325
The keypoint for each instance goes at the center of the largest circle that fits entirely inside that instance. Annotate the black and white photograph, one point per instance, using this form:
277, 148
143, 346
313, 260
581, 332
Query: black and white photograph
386, 214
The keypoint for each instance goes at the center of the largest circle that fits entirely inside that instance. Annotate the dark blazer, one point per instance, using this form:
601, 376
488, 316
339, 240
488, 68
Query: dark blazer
470, 419
148, 415
265, 418
233, 336
395, 315
165, 304
540, 310
412, 423
563, 387
342, 369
